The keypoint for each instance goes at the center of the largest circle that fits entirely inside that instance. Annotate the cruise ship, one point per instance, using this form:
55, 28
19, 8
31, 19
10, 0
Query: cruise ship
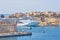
25, 22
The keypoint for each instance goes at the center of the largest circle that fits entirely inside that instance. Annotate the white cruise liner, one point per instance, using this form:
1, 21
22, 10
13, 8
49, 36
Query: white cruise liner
23, 22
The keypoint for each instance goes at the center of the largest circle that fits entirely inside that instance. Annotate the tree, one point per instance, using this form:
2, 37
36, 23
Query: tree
2, 16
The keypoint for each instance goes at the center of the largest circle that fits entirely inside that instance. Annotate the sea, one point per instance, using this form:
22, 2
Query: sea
38, 33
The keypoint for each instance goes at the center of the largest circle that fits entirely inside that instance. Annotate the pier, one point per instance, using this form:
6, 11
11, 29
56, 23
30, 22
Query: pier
15, 34
8, 28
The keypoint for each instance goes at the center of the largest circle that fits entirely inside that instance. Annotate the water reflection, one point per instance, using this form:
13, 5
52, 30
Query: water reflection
24, 28
43, 31
8, 38
23, 37
16, 38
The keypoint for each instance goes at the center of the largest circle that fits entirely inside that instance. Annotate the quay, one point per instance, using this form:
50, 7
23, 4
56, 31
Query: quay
8, 28
15, 34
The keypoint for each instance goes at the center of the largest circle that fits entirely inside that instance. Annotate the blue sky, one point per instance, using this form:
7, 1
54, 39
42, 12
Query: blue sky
11, 6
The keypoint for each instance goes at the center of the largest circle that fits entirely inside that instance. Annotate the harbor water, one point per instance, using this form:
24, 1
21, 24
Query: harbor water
38, 33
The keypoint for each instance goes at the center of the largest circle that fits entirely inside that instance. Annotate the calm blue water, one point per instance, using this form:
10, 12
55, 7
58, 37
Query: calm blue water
38, 33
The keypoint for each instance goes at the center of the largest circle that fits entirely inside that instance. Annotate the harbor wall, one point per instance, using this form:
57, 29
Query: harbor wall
7, 25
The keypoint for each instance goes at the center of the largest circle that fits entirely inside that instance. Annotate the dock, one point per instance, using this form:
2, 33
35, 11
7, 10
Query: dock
8, 28
15, 34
